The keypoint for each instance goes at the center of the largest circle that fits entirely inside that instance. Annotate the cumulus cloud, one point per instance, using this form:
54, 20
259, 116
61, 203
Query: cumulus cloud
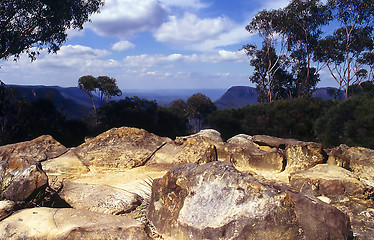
235, 35
146, 60
191, 29
197, 4
122, 18
122, 46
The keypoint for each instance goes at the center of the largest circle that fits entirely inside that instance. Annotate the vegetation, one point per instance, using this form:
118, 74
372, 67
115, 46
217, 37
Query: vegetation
348, 121
286, 65
104, 86
29, 26
295, 48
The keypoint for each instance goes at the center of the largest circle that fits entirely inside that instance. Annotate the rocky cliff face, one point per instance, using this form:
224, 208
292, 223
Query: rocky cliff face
250, 187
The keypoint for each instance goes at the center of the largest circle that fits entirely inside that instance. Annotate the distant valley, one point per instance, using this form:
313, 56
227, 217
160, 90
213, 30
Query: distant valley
74, 103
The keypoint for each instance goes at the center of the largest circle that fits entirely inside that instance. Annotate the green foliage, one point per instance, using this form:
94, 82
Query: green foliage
40, 24
104, 86
198, 107
350, 122
347, 51
294, 47
107, 88
141, 113
131, 112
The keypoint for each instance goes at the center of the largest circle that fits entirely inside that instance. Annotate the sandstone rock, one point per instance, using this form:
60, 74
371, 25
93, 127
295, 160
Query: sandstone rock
39, 149
361, 216
99, 198
274, 141
240, 139
304, 155
250, 157
212, 134
215, 201
68, 223
245, 155
6, 208
198, 149
68, 163
299, 155
328, 180
335, 156
20, 177
120, 148
361, 162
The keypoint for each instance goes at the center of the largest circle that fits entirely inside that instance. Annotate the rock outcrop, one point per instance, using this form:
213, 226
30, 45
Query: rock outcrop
68, 223
120, 148
275, 195
6, 208
197, 149
361, 162
99, 198
331, 181
244, 154
215, 201
39, 149
68, 163
20, 177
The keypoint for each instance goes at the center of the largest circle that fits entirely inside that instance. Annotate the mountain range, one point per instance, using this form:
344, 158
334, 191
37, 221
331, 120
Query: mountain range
240, 96
75, 104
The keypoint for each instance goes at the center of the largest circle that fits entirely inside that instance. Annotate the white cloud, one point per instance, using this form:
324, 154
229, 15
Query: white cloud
122, 18
234, 35
122, 46
146, 61
191, 29
197, 4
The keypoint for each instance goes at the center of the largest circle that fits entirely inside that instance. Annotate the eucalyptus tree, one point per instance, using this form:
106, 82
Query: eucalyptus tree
31, 25
107, 88
89, 84
348, 49
271, 58
198, 107
301, 26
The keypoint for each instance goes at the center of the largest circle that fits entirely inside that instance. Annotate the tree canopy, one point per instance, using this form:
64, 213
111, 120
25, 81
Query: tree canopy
106, 87
198, 107
348, 49
295, 45
31, 25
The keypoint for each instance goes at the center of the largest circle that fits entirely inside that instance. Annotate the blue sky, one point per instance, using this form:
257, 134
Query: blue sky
153, 44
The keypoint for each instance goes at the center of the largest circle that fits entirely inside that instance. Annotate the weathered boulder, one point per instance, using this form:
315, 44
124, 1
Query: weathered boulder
212, 134
6, 208
39, 149
68, 163
197, 149
68, 223
20, 177
335, 156
245, 155
304, 155
361, 214
273, 141
215, 201
328, 180
99, 198
361, 162
299, 155
251, 157
120, 148
240, 139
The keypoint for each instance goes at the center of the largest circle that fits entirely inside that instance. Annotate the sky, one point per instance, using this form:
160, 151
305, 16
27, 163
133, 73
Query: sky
153, 44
